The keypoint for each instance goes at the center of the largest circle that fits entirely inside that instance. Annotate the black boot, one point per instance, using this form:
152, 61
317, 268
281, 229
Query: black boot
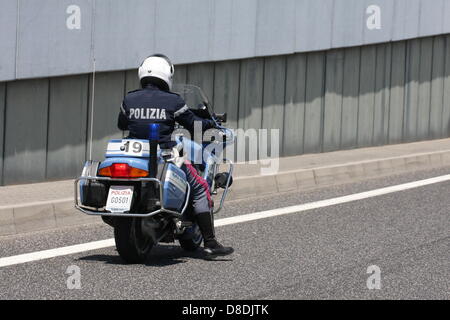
212, 246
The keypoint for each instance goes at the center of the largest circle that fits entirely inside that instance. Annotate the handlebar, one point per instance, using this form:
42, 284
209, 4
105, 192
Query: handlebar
225, 132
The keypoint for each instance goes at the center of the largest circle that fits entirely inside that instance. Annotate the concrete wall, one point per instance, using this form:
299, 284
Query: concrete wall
61, 37
321, 101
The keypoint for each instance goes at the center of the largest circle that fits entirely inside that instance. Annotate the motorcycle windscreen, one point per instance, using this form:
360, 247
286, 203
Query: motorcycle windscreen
195, 99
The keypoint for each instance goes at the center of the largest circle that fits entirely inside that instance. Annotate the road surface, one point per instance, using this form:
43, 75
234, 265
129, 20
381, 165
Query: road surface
321, 253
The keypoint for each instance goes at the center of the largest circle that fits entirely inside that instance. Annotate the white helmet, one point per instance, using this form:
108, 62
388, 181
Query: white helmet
157, 66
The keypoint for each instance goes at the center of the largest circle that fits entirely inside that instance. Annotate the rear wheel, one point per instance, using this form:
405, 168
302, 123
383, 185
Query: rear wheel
191, 239
133, 246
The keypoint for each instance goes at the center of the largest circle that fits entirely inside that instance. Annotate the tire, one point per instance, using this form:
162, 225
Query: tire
132, 245
192, 238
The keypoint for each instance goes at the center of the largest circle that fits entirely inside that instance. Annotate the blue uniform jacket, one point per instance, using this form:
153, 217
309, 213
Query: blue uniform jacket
142, 107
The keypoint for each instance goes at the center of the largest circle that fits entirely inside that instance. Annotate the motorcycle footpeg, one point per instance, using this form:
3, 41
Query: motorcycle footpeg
181, 226
184, 224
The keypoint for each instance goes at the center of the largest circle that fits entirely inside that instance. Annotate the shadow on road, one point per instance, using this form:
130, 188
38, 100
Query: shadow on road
160, 256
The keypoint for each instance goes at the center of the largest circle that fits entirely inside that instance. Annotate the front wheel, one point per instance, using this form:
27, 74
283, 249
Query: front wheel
191, 238
133, 246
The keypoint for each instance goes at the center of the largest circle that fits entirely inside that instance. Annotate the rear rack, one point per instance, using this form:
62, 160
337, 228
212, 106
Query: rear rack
138, 215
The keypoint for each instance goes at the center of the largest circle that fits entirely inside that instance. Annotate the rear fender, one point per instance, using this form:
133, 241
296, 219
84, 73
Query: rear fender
140, 163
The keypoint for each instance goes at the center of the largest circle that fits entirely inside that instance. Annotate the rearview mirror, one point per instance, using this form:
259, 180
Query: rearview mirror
221, 117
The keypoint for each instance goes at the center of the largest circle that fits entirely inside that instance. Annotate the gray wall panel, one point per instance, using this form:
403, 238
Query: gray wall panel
8, 27
250, 97
66, 147
382, 94
294, 110
315, 81
396, 106
406, 19
446, 14
180, 75
202, 75
182, 29
46, 47
348, 23
423, 114
109, 88
313, 30
273, 96
226, 95
275, 33
431, 17
26, 131
446, 98
234, 29
333, 100
124, 33
437, 88
412, 90
131, 81
193, 31
322, 101
349, 128
366, 96
221, 33
242, 29
226, 91
2, 125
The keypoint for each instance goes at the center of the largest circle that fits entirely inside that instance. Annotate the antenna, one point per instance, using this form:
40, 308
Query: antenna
91, 129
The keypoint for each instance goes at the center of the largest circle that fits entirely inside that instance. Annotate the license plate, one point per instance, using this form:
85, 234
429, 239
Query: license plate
119, 199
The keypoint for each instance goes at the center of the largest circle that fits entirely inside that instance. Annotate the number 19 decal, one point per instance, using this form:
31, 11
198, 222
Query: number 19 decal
136, 147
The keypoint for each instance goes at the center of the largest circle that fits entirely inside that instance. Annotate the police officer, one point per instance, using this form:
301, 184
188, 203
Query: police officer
154, 103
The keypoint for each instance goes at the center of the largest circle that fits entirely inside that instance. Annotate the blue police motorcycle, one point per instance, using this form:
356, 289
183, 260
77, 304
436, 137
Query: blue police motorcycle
142, 193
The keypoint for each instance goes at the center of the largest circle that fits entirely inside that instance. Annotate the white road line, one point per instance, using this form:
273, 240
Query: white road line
63, 251
330, 202
46, 254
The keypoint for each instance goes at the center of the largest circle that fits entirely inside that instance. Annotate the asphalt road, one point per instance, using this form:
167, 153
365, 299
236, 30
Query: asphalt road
317, 254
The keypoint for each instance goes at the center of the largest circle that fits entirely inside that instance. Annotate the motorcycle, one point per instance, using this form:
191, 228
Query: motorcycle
143, 194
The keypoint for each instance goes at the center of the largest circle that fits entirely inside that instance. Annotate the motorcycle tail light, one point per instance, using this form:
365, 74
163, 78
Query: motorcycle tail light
105, 172
122, 170
138, 173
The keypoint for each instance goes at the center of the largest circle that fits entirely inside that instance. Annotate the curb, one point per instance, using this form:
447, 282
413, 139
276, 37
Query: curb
305, 179
46, 215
